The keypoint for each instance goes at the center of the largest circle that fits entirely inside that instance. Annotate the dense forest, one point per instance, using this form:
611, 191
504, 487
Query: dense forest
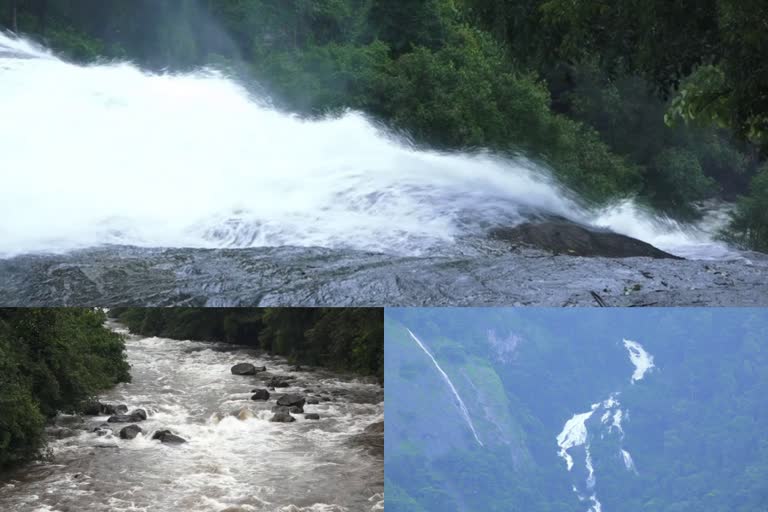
662, 100
345, 339
694, 424
51, 360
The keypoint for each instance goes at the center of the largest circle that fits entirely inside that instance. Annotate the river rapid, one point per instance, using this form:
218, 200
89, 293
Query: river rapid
235, 458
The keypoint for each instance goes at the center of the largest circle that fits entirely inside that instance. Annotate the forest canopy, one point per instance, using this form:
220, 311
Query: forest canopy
345, 339
665, 101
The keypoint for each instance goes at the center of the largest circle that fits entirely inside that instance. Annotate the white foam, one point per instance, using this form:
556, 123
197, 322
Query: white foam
642, 360
574, 434
108, 153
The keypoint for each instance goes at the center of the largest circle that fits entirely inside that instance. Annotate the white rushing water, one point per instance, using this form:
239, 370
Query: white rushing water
459, 401
576, 436
641, 359
235, 460
110, 154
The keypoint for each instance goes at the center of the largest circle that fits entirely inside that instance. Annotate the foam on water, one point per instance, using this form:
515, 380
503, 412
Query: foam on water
108, 153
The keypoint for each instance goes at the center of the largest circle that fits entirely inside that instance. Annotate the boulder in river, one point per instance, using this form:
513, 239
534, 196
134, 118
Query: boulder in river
293, 409
570, 238
372, 439
282, 417
139, 413
130, 432
166, 436
312, 401
243, 369
279, 382
102, 431
260, 394
134, 416
311, 416
60, 432
96, 408
291, 399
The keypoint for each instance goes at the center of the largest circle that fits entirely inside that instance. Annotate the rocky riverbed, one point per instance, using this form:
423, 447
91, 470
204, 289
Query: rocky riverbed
475, 272
190, 433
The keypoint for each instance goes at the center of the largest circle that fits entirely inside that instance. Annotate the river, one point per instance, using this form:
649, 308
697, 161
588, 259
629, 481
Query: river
235, 458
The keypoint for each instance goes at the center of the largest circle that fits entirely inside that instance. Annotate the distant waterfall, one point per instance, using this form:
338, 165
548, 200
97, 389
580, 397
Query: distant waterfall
463, 407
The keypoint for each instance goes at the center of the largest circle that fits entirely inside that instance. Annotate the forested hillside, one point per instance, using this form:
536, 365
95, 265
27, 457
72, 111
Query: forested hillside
662, 100
346, 339
689, 435
51, 360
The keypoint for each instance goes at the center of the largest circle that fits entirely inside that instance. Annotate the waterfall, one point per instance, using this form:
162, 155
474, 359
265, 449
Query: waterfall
462, 407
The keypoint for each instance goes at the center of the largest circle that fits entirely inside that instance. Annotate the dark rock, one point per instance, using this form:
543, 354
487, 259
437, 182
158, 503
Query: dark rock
130, 432
60, 432
139, 413
294, 409
297, 368
244, 369
371, 439
291, 399
375, 428
260, 394
569, 238
282, 417
134, 416
325, 398
166, 436
311, 416
308, 391
96, 408
100, 431
312, 401
279, 382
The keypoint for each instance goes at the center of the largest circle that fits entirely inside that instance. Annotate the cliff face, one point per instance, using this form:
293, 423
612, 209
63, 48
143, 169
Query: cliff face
575, 410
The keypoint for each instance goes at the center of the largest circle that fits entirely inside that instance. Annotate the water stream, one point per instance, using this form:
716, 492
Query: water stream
235, 458
111, 154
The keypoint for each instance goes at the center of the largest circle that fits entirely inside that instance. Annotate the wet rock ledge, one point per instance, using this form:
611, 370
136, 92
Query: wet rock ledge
507, 268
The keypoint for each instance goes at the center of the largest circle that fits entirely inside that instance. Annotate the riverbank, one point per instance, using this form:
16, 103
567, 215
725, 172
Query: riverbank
234, 456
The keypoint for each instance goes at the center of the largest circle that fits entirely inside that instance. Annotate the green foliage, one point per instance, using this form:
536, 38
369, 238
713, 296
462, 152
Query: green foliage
346, 339
680, 178
51, 360
750, 223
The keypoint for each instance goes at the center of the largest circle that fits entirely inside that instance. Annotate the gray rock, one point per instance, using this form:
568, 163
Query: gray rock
60, 432
312, 401
291, 399
130, 432
260, 394
166, 436
139, 413
476, 271
95, 408
294, 409
565, 237
282, 417
243, 369
311, 416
